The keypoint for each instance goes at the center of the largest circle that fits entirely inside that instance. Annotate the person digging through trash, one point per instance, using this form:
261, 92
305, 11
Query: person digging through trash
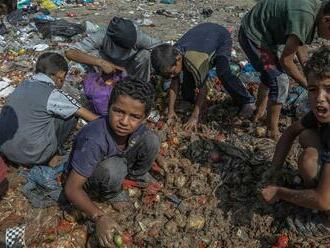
313, 131
38, 116
203, 47
267, 25
119, 47
110, 149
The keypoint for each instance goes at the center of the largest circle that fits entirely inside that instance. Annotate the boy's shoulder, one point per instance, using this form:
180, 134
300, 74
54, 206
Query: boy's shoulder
98, 133
94, 129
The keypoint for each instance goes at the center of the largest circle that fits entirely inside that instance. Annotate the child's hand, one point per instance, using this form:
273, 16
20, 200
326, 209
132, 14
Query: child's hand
108, 67
106, 227
269, 194
171, 117
191, 124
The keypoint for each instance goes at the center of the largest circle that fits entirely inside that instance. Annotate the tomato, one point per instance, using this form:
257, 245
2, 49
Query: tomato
282, 241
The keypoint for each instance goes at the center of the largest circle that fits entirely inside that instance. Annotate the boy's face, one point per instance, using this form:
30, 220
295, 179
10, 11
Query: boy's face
126, 115
324, 28
58, 78
175, 70
319, 97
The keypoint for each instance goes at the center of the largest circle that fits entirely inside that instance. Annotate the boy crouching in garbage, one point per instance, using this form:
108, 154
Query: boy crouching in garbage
201, 48
313, 131
110, 149
38, 116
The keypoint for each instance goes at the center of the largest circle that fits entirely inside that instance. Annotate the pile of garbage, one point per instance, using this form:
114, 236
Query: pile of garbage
206, 196
28, 32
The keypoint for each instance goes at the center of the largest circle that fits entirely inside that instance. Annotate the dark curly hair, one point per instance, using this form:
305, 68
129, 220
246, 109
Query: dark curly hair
318, 64
163, 57
141, 91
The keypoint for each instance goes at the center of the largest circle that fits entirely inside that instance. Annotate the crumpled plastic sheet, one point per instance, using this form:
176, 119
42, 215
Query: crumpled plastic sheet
58, 28
42, 188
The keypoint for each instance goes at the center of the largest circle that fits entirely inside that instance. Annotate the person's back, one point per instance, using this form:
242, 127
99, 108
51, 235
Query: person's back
203, 47
25, 116
269, 22
38, 116
205, 37
119, 47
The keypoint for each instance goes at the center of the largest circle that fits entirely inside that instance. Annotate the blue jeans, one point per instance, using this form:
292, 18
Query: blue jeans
267, 63
109, 174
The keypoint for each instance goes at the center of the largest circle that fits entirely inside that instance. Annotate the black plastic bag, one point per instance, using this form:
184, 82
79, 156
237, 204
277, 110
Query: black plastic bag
18, 18
58, 28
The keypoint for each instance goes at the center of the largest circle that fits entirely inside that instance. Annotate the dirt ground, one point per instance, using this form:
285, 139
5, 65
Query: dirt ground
207, 194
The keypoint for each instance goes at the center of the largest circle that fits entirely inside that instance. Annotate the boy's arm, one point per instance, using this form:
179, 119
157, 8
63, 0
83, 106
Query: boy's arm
62, 104
302, 54
318, 198
86, 114
284, 144
81, 52
173, 91
75, 193
105, 226
85, 58
292, 46
193, 120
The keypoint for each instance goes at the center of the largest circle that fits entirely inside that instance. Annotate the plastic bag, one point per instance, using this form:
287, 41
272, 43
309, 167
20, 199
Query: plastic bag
297, 104
48, 4
58, 2
17, 17
45, 176
42, 188
98, 92
58, 28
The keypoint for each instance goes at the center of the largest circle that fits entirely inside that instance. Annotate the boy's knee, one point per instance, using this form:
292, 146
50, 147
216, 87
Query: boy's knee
309, 155
114, 170
152, 142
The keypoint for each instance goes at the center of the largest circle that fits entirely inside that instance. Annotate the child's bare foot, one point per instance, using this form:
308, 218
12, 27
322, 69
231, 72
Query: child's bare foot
274, 135
259, 116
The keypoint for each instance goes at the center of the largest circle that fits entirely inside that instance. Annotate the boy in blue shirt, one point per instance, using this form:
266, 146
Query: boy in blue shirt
108, 150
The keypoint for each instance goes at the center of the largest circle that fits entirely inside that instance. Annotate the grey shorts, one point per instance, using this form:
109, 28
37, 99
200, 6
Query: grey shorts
267, 63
